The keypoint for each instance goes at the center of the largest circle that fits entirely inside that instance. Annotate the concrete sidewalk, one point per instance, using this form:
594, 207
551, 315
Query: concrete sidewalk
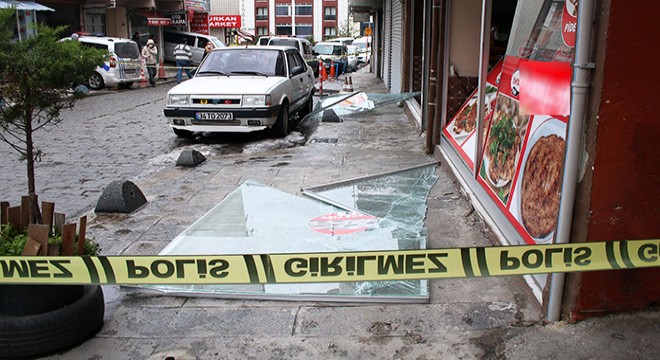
485, 318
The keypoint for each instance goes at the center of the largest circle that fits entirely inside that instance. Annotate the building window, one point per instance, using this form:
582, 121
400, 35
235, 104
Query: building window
283, 29
330, 13
329, 31
304, 10
304, 29
283, 10
262, 30
262, 13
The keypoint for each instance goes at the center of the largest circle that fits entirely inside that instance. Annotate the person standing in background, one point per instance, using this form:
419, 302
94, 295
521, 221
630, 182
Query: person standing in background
183, 58
136, 38
207, 49
150, 55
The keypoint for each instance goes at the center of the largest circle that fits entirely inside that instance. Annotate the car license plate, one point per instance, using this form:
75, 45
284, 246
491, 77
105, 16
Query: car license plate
214, 116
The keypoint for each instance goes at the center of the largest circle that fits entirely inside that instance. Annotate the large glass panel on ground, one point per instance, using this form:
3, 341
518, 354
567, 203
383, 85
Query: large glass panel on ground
347, 104
257, 219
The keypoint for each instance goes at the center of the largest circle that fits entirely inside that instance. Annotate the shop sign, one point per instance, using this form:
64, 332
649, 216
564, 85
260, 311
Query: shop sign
159, 21
361, 16
178, 19
225, 21
195, 5
200, 23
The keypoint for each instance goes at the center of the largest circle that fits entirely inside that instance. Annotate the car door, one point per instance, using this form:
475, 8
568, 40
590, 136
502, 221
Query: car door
300, 82
309, 58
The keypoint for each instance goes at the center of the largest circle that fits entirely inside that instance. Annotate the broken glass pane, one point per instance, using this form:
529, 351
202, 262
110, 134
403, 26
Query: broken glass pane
347, 104
257, 219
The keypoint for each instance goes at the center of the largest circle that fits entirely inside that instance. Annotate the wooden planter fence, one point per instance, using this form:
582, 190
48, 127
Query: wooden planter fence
53, 223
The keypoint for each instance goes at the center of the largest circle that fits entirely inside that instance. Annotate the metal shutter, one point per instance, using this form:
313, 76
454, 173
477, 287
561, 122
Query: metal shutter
387, 45
397, 47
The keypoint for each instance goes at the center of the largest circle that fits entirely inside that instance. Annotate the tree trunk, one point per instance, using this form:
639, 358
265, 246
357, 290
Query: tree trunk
29, 157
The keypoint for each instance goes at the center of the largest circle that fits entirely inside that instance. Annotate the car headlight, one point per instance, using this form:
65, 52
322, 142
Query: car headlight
256, 100
176, 100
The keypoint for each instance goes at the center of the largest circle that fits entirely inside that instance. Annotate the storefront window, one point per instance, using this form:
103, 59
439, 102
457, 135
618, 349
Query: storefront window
526, 113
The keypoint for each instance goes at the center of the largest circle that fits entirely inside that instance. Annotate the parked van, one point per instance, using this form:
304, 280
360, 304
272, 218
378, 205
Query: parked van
343, 40
303, 46
364, 45
197, 43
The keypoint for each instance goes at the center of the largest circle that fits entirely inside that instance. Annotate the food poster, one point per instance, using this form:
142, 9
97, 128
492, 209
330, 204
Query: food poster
523, 155
534, 203
461, 130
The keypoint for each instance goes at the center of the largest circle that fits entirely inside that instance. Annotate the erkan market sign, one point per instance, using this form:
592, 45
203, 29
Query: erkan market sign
225, 21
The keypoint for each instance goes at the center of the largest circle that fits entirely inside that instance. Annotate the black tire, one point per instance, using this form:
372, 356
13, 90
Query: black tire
45, 333
182, 133
307, 108
95, 81
281, 127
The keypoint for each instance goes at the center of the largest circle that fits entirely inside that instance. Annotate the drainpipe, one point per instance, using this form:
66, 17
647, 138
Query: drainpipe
579, 92
433, 76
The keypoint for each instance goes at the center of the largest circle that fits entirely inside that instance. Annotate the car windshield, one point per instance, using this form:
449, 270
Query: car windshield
127, 50
217, 43
328, 49
283, 42
243, 62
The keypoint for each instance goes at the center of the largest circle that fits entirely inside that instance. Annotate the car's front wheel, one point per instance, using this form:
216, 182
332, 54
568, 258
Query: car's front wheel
182, 133
95, 81
281, 127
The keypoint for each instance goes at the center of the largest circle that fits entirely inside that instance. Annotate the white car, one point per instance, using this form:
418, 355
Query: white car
121, 69
352, 57
342, 40
242, 89
364, 44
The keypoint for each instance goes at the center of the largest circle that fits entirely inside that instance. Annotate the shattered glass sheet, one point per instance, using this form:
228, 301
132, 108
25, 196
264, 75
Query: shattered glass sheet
347, 104
398, 196
258, 219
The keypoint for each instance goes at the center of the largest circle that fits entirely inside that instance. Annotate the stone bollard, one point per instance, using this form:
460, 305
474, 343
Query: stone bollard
120, 197
190, 158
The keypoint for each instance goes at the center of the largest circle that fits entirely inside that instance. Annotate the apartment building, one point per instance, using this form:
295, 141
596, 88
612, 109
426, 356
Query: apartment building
322, 19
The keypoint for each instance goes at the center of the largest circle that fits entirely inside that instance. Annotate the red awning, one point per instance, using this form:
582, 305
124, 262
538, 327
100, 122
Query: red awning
154, 18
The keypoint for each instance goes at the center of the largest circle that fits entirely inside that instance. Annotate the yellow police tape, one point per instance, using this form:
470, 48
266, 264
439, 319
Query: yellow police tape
332, 267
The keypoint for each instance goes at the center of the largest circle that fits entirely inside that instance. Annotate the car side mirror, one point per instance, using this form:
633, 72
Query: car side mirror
297, 70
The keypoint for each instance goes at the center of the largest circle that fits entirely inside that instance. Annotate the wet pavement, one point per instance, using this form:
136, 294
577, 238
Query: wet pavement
485, 318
